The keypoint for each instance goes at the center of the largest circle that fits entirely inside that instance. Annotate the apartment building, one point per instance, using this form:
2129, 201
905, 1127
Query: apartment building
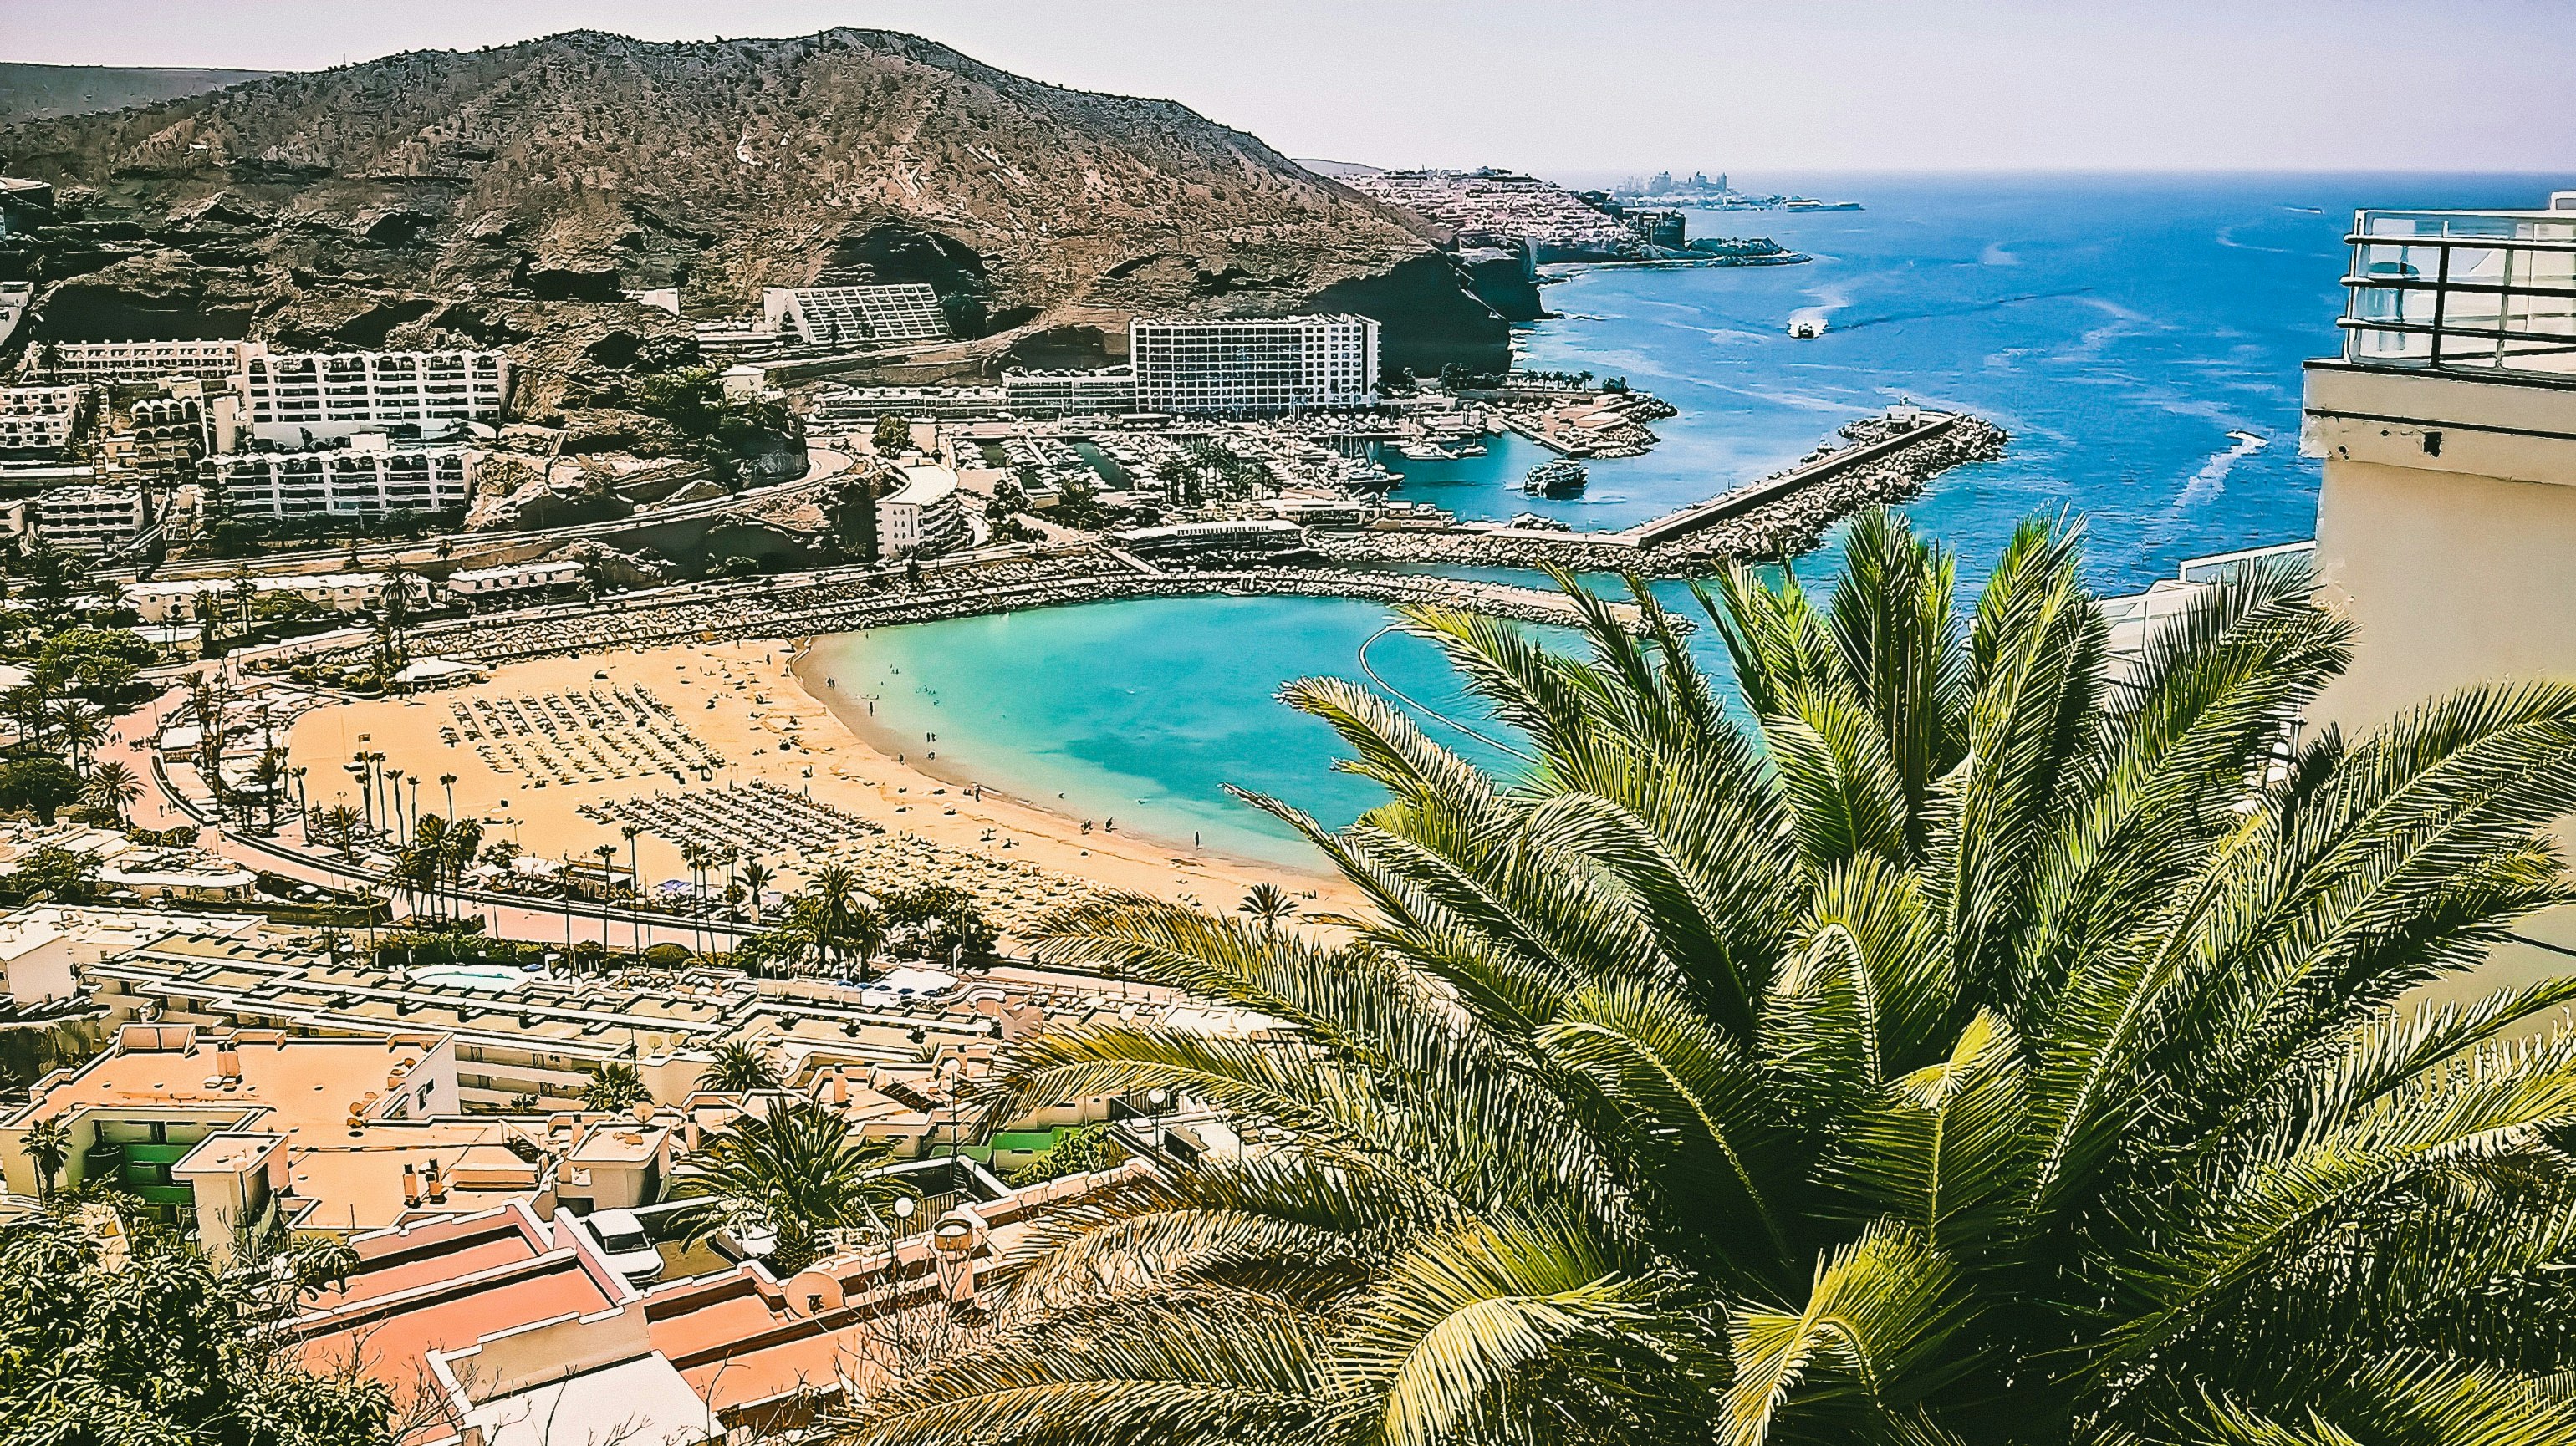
842, 315
922, 513
42, 418
1069, 394
370, 476
1252, 366
86, 519
2447, 517
139, 361
290, 397
341, 592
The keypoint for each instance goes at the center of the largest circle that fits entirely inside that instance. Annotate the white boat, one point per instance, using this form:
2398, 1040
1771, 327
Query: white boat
1806, 327
1555, 479
1424, 452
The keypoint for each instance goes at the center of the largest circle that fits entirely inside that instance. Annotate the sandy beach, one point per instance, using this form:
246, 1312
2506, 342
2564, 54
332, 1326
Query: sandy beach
560, 754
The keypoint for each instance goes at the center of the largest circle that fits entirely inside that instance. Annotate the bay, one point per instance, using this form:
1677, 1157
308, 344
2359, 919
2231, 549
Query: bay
2139, 336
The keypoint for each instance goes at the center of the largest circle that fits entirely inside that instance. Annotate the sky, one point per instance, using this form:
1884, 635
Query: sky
1573, 89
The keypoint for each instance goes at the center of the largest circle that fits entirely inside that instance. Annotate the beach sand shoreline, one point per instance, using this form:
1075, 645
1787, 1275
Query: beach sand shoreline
747, 703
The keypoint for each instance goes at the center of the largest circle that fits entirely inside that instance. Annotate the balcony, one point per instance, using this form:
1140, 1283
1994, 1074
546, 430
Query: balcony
2478, 293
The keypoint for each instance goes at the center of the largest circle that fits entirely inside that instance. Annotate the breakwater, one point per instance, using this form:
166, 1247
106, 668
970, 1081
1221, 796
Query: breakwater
1778, 516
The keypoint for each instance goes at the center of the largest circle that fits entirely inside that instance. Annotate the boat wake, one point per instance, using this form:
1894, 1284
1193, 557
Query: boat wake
1968, 309
2211, 479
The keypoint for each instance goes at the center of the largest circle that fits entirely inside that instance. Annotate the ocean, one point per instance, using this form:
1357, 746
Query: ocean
2139, 336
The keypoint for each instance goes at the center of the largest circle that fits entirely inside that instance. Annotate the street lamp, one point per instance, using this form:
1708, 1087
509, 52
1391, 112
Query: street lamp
1155, 1099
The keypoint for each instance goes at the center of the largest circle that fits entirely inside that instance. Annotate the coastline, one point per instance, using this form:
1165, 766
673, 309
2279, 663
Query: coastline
563, 792
893, 750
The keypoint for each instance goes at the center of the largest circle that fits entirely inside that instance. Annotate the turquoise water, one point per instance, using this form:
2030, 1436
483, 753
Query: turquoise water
2139, 337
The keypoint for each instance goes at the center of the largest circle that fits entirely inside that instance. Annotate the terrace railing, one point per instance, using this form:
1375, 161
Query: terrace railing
2477, 292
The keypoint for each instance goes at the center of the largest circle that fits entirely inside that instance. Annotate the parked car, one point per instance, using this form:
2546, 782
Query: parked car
629, 1250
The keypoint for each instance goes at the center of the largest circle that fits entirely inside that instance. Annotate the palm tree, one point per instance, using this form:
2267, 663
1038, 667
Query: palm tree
339, 826
614, 1086
833, 892
78, 726
756, 877
798, 1169
697, 857
1268, 903
634, 882
2001, 1044
425, 862
739, 1068
47, 1144
607, 860
113, 788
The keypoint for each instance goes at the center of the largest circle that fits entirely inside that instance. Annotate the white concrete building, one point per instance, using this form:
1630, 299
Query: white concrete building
1069, 394
41, 419
294, 395
1252, 366
366, 478
515, 580
341, 592
141, 361
87, 519
838, 315
922, 514
2446, 521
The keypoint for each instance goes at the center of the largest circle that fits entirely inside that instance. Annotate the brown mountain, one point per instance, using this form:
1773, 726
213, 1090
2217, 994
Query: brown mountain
511, 193
34, 92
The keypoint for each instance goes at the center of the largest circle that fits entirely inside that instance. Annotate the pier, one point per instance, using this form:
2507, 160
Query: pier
1771, 489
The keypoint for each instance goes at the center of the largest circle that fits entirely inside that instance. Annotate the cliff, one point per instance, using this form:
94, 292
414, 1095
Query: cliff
508, 196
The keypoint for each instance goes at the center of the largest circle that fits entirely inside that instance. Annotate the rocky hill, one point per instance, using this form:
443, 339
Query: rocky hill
35, 92
508, 195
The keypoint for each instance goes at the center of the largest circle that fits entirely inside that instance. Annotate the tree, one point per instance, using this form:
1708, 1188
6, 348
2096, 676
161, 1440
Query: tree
97, 663
1982, 1051
47, 1145
144, 1341
739, 1068
614, 1086
339, 826
832, 894
756, 877
40, 785
893, 436
1078, 1151
797, 1169
112, 789
1268, 903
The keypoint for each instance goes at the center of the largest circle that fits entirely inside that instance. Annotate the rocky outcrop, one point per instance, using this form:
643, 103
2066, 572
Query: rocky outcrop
525, 187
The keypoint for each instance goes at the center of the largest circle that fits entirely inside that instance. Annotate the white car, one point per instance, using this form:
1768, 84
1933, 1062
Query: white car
630, 1252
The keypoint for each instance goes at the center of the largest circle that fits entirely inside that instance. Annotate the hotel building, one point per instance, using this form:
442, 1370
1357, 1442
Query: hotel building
922, 513
290, 396
369, 477
1252, 366
839, 315
141, 361
2446, 524
1069, 394
41, 419
86, 519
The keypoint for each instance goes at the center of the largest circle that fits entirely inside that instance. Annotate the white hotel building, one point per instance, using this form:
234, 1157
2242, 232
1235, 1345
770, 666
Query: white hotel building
1252, 366
291, 395
140, 361
368, 478
833, 315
